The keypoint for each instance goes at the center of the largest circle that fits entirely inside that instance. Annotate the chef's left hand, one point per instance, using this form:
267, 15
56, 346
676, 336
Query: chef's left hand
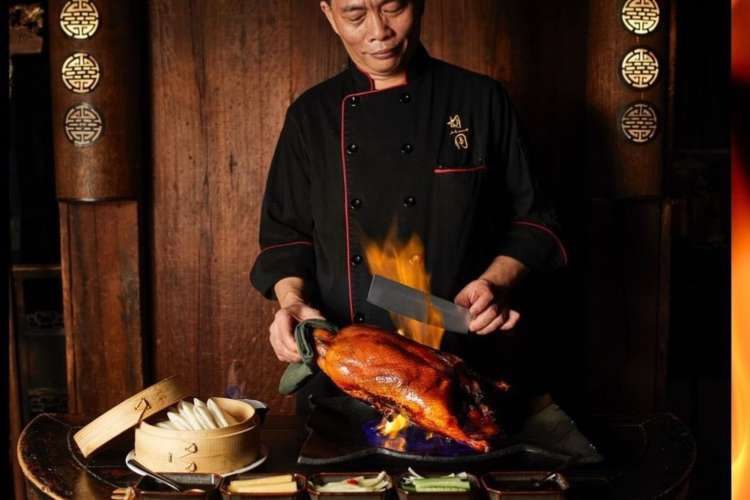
488, 305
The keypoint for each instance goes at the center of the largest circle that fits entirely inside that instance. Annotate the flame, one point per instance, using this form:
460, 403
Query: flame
740, 267
404, 263
395, 444
391, 427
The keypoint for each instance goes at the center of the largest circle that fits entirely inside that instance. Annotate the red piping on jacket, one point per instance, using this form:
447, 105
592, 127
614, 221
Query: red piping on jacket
548, 231
372, 90
287, 244
443, 170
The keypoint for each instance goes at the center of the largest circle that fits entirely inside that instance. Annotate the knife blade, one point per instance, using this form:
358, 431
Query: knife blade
412, 303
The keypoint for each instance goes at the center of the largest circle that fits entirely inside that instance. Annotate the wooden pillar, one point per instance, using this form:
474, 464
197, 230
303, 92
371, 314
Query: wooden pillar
622, 166
98, 63
627, 269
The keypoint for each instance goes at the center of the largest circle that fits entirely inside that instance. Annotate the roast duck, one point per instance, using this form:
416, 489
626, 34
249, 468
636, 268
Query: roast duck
433, 389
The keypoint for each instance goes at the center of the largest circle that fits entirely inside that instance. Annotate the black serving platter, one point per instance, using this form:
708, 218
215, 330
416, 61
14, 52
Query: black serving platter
339, 430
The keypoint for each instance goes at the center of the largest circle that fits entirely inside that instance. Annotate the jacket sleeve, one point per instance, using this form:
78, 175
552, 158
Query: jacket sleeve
532, 231
286, 223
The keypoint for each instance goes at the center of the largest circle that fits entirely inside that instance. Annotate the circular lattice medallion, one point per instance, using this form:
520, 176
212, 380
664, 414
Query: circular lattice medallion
640, 16
80, 73
639, 122
83, 124
640, 68
79, 19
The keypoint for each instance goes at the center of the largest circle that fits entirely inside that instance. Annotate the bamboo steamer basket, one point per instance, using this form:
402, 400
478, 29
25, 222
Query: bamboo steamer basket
211, 450
217, 451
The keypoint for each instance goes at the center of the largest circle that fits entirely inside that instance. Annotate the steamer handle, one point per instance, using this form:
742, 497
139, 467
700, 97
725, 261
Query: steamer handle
191, 449
143, 405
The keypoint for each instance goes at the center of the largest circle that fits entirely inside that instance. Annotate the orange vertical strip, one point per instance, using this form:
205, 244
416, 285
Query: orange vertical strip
740, 329
740, 256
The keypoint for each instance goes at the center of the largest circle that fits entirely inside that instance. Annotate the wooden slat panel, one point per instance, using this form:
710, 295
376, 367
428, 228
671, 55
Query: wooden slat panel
316, 52
664, 305
622, 305
179, 174
193, 167
101, 295
275, 65
224, 76
470, 33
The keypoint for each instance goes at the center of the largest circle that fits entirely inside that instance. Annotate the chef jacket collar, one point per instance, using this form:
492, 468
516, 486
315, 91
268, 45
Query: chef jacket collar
417, 66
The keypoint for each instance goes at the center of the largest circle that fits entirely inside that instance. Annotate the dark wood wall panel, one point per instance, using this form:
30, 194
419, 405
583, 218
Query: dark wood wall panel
624, 308
473, 34
224, 74
101, 297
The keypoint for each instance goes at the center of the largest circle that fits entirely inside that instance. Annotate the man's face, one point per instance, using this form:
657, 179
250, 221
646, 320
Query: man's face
375, 33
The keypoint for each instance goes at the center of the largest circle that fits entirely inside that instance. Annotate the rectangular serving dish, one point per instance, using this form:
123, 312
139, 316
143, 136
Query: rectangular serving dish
327, 477
228, 495
474, 493
147, 488
519, 485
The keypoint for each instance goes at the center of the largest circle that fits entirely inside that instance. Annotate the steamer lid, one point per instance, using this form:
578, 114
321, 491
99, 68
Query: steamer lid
129, 414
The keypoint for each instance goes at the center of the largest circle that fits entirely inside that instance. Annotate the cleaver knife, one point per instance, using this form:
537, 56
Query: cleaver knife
412, 303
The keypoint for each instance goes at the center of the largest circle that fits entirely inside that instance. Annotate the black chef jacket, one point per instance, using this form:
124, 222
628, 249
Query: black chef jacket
440, 156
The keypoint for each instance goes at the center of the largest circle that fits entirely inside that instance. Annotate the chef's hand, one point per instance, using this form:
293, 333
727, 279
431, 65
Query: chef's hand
293, 310
487, 296
488, 306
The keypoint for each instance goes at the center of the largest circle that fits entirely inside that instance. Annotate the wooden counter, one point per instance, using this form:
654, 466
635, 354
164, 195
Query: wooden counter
650, 457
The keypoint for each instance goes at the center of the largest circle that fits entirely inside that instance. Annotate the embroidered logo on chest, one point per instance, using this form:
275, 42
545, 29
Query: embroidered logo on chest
458, 132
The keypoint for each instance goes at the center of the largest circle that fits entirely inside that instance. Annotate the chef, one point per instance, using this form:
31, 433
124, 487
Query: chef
399, 139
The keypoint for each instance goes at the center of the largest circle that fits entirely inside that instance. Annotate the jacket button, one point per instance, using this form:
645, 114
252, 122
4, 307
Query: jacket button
359, 318
356, 260
405, 98
354, 101
407, 148
355, 203
410, 201
352, 148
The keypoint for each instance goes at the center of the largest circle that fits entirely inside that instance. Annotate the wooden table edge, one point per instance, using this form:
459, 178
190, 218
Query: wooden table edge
24, 468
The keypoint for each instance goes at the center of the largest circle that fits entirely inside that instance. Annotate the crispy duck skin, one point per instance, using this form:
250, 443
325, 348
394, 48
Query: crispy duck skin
435, 390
